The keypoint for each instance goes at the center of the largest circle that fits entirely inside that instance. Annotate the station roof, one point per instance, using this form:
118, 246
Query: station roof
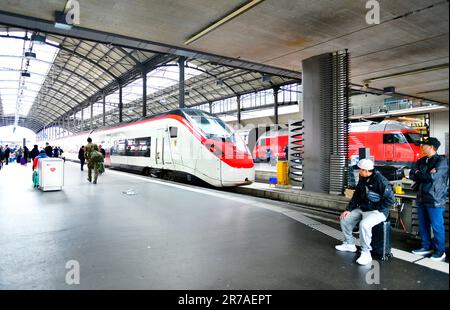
77, 72
408, 49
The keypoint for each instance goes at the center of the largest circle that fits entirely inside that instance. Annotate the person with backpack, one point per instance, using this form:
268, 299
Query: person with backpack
88, 149
35, 165
95, 163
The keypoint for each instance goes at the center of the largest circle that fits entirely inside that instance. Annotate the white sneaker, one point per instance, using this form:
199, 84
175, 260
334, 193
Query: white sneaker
365, 258
345, 247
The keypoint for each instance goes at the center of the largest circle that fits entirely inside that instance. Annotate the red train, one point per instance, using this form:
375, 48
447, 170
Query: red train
391, 143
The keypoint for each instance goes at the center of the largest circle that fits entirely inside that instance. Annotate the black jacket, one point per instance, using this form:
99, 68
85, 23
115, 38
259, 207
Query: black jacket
34, 152
49, 151
431, 188
373, 193
81, 154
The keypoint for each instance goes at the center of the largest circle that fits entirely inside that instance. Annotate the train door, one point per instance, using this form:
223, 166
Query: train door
388, 144
175, 146
159, 147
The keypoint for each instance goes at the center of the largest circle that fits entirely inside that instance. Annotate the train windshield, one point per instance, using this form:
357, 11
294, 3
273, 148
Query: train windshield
412, 137
211, 126
214, 128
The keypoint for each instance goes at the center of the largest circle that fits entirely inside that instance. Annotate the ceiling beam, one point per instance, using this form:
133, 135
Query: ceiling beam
46, 26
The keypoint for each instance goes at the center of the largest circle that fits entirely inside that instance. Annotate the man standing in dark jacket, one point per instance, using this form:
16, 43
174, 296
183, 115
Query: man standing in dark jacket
369, 206
48, 149
7, 153
431, 174
81, 156
34, 152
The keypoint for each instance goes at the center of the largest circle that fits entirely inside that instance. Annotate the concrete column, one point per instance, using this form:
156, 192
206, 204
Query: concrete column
312, 117
181, 62
144, 94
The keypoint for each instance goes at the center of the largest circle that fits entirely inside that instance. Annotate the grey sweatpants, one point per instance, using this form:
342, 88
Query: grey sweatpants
366, 221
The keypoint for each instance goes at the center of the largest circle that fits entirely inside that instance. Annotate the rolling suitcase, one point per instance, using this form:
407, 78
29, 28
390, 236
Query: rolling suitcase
381, 240
23, 161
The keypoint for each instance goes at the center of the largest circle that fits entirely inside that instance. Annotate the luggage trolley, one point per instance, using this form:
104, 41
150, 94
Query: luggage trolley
51, 174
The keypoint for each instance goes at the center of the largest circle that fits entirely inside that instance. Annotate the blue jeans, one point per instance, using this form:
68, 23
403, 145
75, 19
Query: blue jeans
434, 217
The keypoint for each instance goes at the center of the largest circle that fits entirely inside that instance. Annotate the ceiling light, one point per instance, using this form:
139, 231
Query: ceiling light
60, 21
223, 20
37, 39
389, 90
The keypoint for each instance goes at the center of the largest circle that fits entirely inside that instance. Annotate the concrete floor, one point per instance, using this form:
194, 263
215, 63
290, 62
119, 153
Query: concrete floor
170, 236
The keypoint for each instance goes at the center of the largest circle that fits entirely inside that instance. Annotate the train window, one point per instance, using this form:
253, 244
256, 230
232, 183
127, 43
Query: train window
388, 138
118, 148
399, 138
173, 132
413, 138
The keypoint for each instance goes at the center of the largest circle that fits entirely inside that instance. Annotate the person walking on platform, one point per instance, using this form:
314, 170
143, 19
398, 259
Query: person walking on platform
94, 162
81, 157
2, 156
7, 154
26, 154
430, 174
48, 149
34, 152
369, 206
88, 149
102, 150
56, 152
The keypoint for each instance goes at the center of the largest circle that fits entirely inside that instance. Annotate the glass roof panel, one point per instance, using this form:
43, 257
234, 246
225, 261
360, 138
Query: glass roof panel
16, 91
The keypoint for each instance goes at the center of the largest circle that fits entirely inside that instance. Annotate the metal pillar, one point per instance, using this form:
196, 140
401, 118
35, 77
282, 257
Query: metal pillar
210, 107
92, 115
144, 94
120, 103
82, 120
275, 101
181, 62
238, 100
104, 108
74, 121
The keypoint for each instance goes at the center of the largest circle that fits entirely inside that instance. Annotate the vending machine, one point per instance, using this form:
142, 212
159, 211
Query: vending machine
51, 174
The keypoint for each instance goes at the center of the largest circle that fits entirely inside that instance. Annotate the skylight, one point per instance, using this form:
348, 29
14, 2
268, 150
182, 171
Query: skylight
19, 92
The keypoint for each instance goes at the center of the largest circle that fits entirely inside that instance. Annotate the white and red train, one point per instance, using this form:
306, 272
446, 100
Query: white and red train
183, 141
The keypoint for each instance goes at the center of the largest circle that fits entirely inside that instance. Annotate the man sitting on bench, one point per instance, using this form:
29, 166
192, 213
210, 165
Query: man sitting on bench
368, 207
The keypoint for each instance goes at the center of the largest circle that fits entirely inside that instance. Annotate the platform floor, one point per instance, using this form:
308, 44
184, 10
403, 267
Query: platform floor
174, 236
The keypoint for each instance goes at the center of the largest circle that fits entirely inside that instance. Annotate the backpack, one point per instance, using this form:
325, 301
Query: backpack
101, 168
96, 157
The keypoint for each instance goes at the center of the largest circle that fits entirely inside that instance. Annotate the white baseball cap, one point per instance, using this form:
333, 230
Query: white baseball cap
365, 164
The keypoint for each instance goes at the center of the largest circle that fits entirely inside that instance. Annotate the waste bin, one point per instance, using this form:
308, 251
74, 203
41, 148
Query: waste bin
51, 174
282, 173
